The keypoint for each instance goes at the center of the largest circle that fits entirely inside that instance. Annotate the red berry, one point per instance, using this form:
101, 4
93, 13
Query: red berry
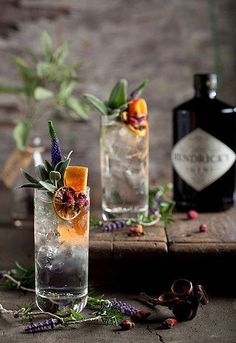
192, 214
203, 228
169, 323
127, 324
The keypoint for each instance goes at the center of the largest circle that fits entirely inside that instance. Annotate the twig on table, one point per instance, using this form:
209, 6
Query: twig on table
17, 283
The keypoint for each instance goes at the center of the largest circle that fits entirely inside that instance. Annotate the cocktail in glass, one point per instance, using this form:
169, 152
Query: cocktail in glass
124, 169
61, 251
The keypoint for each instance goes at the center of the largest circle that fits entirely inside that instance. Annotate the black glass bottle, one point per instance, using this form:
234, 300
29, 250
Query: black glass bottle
204, 146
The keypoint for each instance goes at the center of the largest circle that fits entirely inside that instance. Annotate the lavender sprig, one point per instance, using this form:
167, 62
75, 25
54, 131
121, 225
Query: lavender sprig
112, 225
48, 324
51, 323
56, 155
123, 307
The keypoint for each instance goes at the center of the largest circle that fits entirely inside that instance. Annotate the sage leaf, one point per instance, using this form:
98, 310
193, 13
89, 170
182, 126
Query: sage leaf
58, 165
66, 89
41, 93
97, 103
21, 133
46, 43
30, 185
54, 176
77, 107
29, 177
27, 75
61, 53
138, 91
62, 171
118, 95
48, 166
48, 186
42, 171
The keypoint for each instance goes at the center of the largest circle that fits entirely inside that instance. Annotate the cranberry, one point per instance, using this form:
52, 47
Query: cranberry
203, 228
192, 214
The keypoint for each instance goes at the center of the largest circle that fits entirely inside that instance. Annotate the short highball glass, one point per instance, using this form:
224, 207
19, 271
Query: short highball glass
124, 169
61, 256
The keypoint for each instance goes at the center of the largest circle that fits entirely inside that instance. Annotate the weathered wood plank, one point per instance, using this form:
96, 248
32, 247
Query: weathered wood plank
221, 228
154, 233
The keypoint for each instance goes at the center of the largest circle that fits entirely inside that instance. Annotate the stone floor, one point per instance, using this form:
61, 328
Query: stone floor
213, 323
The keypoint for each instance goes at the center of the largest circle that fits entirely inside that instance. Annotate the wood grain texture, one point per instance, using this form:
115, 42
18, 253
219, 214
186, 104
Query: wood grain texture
221, 228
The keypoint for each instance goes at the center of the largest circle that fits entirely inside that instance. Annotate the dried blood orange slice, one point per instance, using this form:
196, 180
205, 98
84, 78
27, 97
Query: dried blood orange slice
76, 177
136, 117
137, 107
66, 203
138, 131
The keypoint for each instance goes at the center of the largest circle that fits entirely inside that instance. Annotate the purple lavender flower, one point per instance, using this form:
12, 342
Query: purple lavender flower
48, 324
2, 274
56, 155
124, 308
113, 225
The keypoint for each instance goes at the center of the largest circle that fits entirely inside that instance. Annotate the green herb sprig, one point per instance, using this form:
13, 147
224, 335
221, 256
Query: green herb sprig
160, 198
46, 86
118, 99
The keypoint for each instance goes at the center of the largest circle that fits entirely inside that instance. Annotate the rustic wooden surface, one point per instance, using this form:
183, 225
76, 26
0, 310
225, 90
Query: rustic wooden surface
184, 236
181, 237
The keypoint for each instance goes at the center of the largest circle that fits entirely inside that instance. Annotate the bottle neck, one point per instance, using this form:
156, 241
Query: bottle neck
205, 93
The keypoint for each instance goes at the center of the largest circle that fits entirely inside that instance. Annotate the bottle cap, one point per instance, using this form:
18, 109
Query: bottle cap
205, 81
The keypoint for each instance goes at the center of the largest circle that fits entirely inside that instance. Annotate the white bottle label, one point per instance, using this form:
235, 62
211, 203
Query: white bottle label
200, 159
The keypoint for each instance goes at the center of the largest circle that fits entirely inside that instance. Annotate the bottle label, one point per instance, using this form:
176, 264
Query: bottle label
200, 159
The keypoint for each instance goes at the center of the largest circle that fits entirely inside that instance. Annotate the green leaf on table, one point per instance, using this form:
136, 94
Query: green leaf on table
29, 177
61, 53
48, 186
74, 315
118, 95
96, 103
41, 93
21, 133
77, 106
138, 91
46, 43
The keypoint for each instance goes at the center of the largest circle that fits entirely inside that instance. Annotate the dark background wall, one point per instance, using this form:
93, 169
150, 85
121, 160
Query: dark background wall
164, 41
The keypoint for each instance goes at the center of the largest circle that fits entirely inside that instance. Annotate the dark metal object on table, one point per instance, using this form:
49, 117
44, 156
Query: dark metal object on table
183, 299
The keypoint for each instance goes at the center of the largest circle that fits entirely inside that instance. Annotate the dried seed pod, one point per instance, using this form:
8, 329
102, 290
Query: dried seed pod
167, 299
183, 310
136, 230
182, 287
169, 323
140, 315
201, 295
127, 324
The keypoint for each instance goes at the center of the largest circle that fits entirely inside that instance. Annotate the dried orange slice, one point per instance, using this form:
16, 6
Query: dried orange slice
66, 203
138, 132
76, 177
137, 106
